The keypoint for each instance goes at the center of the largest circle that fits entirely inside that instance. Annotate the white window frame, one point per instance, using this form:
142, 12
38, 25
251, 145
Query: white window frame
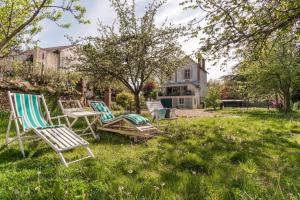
179, 101
189, 74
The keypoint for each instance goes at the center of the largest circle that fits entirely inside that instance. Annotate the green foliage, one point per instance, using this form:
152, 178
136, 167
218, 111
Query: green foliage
273, 71
149, 89
116, 107
213, 97
245, 154
296, 105
125, 99
238, 25
20, 20
134, 50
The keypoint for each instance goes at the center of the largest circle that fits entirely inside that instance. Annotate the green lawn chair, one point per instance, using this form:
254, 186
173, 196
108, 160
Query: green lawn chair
132, 125
26, 111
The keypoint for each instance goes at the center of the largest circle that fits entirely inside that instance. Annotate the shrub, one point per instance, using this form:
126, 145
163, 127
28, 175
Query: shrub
213, 98
125, 99
148, 88
296, 105
116, 107
153, 94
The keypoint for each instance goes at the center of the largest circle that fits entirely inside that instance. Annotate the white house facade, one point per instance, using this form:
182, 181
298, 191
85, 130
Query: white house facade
186, 88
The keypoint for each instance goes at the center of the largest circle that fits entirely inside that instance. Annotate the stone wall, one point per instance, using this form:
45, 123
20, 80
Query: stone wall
4, 104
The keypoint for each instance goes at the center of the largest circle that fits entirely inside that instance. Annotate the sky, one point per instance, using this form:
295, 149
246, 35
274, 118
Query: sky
100, 10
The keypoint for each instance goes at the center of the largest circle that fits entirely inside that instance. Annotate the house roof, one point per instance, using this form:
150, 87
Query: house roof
192, 60
57, 48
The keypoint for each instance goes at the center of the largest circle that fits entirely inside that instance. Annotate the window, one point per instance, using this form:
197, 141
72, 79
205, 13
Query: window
181, 101
187, 74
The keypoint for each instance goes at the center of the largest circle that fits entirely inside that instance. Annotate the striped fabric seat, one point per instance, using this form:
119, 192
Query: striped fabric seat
28, 109
107, 116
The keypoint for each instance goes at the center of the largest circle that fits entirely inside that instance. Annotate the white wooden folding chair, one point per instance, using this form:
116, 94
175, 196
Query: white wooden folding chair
26, 111
73, 109
158, 112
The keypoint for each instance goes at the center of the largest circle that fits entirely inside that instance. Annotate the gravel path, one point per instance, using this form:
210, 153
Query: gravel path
194, 113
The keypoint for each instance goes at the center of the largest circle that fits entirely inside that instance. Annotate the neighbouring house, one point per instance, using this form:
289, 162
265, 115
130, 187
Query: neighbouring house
53, 58
187, 87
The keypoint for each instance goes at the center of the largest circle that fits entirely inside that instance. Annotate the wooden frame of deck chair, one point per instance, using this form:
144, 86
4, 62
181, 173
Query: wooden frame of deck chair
76, 112
158, 113
26, 111
132, 125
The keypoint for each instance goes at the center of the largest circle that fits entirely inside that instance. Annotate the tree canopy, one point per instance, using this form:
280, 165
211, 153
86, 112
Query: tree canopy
276, 72
133, 50
19, 19
235, 25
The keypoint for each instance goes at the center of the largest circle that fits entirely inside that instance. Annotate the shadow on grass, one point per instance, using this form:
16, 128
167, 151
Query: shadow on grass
265, 114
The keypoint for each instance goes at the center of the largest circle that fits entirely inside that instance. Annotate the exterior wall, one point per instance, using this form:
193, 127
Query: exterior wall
53, 59
203, 84
65, 58
197, 84
190, 102
7, 63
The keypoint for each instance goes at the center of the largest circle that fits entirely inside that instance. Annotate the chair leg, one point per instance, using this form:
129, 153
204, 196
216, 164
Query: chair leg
68, 121
63, 159
8, 130
90, 126
90, 152
19, 138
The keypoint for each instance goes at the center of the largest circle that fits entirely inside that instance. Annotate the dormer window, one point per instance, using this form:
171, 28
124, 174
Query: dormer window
187, 74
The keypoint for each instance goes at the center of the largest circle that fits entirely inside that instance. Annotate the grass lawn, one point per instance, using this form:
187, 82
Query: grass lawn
249, 154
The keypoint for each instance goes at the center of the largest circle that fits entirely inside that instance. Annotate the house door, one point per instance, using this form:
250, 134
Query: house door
167, 103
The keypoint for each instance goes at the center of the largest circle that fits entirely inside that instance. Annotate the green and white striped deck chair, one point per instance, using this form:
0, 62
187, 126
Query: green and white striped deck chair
26, 111
132, 125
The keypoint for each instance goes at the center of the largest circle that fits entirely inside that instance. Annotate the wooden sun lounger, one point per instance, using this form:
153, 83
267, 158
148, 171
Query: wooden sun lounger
123, 124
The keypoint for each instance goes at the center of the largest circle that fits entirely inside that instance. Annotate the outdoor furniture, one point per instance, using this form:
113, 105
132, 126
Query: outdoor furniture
160, 113
132, 125
73, 109
26, 110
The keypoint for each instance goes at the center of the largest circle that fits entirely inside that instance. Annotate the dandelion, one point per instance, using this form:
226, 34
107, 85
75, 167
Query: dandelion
156, 188
39, 172
121, 188
194, 172
128, 194
162, 184
130, 171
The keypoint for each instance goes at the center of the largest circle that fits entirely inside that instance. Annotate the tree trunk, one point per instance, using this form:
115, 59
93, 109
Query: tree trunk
137, 102
287, 102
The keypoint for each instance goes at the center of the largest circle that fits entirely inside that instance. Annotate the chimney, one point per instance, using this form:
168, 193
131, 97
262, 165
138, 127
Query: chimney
203, 63
199, 65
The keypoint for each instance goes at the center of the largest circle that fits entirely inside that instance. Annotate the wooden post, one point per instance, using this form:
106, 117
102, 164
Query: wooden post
107, 97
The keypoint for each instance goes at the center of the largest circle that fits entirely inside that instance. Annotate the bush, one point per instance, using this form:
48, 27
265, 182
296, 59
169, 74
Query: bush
213, 98
116, 107
125, 99
296, 105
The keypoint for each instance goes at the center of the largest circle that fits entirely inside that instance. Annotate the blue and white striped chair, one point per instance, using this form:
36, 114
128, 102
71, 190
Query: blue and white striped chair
132, 125
26, 111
